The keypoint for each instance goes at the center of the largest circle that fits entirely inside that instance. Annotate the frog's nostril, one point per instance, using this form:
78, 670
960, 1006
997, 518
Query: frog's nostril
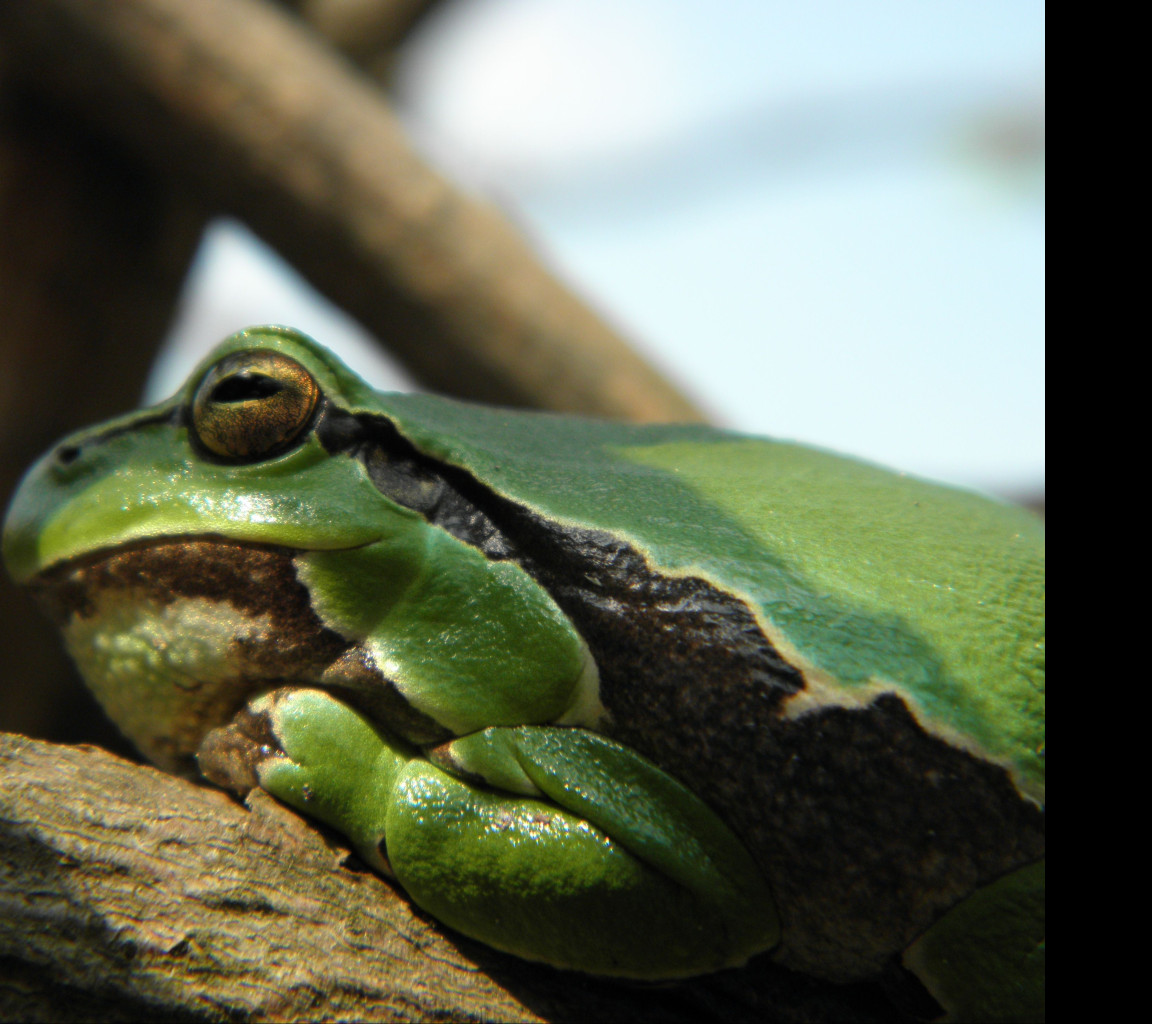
66, 454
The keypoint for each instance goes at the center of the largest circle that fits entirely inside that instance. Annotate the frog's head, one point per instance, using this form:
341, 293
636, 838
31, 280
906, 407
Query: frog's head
161, 540
240, 451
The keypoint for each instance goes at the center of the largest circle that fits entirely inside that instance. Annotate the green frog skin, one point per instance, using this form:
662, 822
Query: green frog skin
639, 701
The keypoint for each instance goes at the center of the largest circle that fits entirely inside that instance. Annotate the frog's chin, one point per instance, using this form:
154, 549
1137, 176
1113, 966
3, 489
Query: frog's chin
173, 636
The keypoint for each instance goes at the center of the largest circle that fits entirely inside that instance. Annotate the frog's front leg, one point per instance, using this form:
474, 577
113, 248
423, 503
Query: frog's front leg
316, 754
551, 843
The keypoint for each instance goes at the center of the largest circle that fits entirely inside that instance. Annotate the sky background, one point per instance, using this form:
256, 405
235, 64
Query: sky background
824, 220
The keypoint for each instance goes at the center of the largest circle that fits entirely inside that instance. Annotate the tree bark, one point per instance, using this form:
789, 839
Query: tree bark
129, 894
161, 898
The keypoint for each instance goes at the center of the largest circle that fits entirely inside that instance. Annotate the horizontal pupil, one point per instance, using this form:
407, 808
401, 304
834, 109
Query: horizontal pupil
243, 387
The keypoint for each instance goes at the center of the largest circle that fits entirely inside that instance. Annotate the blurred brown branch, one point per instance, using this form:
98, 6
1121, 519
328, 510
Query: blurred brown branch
259, 117
368, 31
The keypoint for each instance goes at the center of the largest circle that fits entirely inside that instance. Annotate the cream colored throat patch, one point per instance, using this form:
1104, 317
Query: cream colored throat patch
166, 672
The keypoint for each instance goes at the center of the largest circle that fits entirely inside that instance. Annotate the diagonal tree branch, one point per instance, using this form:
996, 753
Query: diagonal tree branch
260, 117
370, 32
150, 891
129, 894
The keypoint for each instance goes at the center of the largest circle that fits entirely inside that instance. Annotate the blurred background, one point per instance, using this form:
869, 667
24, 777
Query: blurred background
820, 221
825, 221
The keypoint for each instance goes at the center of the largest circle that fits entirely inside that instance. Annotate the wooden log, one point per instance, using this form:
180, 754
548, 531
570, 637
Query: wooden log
130, 894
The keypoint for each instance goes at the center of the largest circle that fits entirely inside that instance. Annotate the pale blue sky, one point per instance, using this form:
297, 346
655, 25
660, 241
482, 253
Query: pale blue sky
824, 219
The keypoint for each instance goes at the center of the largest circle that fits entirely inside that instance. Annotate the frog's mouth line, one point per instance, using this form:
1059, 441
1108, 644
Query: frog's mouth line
255, 577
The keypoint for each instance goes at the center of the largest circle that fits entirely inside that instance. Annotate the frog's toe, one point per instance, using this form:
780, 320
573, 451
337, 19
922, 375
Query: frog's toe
232, 754
316, 754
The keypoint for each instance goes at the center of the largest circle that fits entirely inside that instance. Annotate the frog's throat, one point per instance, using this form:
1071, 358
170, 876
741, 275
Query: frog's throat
173, 637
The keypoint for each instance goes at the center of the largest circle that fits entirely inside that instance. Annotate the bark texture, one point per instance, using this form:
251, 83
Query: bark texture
129, 894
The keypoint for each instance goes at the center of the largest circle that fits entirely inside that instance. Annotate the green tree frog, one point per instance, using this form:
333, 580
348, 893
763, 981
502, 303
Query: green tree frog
633, 700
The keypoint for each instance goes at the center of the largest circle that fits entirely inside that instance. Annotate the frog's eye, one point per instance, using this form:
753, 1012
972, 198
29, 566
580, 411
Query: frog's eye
253, 405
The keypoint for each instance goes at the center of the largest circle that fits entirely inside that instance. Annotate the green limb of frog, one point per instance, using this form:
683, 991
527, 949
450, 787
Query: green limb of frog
443, 594
984, 959
638, 880
596, 778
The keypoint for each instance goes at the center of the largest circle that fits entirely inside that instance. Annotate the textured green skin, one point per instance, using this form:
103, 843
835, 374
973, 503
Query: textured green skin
509, 868
493, 606
795, 551
860, 577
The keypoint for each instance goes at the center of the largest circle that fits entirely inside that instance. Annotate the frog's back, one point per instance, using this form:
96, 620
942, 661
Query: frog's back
863, 579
